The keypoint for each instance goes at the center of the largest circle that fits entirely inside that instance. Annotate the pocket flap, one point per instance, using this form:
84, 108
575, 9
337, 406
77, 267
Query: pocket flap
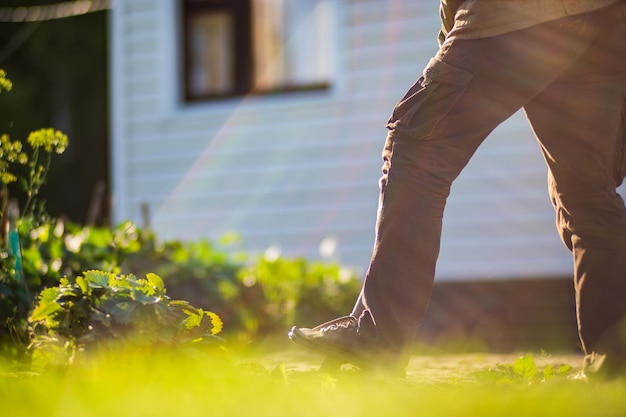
439, 71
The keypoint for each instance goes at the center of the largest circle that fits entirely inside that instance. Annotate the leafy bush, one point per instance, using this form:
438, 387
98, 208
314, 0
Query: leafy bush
255, 298
100, 309
50, 250
57, 248
295, 291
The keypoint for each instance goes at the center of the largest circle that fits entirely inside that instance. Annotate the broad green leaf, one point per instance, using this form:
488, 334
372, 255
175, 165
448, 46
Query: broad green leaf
48, 295
193, 320
44, 310
122, 282
123, 312
184, 306
143, 298
156, 281
216, 322
98, 278
82, 284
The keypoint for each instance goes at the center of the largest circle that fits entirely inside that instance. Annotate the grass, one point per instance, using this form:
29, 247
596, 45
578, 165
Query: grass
287, 383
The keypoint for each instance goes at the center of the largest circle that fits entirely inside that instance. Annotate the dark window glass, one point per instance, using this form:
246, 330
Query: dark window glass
239, 47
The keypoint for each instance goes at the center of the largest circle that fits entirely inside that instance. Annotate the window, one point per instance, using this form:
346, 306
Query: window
239, 47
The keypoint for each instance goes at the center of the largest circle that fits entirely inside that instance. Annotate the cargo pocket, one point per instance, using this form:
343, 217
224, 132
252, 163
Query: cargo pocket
423, 108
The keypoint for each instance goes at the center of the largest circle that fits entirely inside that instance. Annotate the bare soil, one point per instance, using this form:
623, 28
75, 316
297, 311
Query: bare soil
446, 368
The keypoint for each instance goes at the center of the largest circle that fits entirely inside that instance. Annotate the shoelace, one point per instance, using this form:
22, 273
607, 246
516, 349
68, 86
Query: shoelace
336, 326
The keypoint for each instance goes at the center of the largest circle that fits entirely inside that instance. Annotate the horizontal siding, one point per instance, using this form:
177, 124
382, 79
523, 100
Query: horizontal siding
141, 58
139, 6
141, 86
499, 220
392, 12
292, 170
141, 43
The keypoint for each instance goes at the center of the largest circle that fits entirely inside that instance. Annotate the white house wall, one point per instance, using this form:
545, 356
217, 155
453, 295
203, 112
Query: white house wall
288, 171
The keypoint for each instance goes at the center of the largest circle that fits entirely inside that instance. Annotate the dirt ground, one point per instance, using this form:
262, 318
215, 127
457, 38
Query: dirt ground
445, 368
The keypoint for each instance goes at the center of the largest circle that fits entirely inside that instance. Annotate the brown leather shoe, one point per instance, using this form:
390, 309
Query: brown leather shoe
348, 340
339, 337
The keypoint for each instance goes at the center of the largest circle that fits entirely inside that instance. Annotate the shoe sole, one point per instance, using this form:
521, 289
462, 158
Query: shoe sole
336, 357
334, 352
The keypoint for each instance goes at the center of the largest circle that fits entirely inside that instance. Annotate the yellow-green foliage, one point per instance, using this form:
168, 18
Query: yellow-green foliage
102, 310
5, 84
140, 384
10, 152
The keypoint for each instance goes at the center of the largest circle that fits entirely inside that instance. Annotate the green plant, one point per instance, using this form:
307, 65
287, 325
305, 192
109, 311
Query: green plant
523, 371
5, 83
57, 248
51, 249
14, 308
288, 291
16, 289
100, 309
10, 155
43, 143
256, 297
197, 271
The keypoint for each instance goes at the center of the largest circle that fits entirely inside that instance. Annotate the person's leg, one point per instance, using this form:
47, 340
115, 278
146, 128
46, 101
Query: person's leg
420, 161
469, 88
579, 122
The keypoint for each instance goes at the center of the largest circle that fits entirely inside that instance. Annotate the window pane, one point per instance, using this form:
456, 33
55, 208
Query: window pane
237, 47
268, 48
291, 43
211, 54
309, 37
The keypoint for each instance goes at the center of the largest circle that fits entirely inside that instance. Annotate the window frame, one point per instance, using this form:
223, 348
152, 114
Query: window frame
241, 10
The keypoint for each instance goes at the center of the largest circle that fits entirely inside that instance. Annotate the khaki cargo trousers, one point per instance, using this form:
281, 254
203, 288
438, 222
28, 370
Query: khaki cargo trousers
569, 76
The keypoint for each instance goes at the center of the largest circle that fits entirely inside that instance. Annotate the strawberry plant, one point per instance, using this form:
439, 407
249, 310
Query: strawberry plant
100, 309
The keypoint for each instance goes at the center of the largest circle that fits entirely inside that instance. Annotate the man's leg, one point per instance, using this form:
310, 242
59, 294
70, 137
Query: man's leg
579, 122
469, 88
422, 161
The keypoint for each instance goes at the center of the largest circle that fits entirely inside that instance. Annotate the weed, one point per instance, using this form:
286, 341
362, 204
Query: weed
523, 371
